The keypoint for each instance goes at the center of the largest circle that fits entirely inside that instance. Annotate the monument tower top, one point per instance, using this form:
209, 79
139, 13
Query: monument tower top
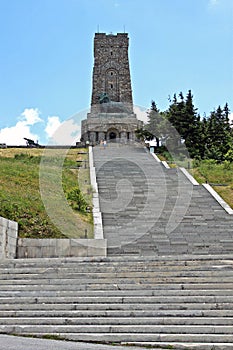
111, 73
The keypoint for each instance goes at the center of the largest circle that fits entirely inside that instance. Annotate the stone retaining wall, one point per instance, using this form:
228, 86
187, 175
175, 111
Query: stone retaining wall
8, 238
97, 215
59, 248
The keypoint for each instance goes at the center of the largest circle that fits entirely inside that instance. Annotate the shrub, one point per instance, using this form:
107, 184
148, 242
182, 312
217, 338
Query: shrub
76, 200
226, 165
229, 156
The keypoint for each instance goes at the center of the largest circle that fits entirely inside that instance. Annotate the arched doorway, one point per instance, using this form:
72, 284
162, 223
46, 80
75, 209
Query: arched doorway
112, 135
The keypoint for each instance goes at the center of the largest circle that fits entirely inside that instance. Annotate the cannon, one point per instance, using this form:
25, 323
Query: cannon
31, 143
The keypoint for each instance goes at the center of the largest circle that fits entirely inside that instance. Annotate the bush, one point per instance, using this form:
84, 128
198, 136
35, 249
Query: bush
209, 163
76, 200
196, 162
229, 156
226, 165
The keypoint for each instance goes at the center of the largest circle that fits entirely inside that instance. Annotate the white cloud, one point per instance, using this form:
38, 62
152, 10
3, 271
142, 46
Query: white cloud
30, 116
65, 133
53, 132
52, 125
15, 135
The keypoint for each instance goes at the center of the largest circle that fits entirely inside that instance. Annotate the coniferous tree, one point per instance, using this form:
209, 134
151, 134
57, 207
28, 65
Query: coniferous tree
183, 116
218, 134
177, 115
173, 113
228, 129
210, 138
226, 114
192, 127
202, 143
157, 123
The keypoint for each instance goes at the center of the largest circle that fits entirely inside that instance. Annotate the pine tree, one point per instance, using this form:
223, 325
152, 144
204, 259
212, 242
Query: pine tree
183, 116
202, 142
191, 127
156, 123
219, 137
173, 113
204, 138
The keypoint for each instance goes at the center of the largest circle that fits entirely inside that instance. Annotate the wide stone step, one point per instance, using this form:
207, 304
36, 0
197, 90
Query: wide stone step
44, 291
124, 281
114, 266
121, 265
121, 286
143, 329
66, 313
134, 321
120, 299
129, 264
46, 262
144, 337
181, 346
179, 273
116, 306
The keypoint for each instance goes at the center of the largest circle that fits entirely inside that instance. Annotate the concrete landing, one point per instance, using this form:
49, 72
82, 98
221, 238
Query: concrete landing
24, 343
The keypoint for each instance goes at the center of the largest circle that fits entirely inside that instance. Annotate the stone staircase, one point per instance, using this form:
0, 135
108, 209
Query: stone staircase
166, 283
150, 210
173, 302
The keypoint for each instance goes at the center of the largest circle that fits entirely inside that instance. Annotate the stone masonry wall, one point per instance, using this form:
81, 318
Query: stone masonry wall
8, 238
111, 73
58, 248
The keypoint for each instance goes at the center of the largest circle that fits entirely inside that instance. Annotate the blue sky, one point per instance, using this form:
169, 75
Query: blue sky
46, 57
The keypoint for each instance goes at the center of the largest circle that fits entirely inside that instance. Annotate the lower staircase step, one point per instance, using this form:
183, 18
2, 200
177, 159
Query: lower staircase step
159, 302
144, 337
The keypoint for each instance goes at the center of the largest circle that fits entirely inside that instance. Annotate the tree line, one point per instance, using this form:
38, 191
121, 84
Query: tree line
205, 138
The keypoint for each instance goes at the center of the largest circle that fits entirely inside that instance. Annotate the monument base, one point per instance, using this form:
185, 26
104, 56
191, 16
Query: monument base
110, 127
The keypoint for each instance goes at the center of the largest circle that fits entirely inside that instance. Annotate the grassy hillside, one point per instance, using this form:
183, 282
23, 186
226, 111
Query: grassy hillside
220, 176
20, 192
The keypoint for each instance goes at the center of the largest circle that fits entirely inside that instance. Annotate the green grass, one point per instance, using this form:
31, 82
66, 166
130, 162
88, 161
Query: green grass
20, 192
220, 176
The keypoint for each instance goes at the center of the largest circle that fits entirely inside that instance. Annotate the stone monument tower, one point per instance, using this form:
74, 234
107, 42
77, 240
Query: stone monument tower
111, 116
